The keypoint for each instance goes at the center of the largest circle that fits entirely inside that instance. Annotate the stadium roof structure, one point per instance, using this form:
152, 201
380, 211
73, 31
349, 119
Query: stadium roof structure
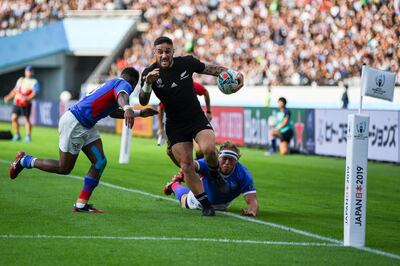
79, 36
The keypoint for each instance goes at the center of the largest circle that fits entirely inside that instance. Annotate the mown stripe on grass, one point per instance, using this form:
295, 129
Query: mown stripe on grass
163, 238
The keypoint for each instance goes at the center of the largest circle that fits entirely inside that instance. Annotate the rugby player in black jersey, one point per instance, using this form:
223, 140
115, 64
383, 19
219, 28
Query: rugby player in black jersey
171, 80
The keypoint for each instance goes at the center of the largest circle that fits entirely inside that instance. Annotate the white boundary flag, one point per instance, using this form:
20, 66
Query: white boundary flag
378, 83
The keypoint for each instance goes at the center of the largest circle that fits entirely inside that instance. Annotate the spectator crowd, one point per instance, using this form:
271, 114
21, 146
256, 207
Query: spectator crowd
291, 42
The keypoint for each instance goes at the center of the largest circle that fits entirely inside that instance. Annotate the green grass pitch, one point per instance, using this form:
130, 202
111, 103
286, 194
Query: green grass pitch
141, 226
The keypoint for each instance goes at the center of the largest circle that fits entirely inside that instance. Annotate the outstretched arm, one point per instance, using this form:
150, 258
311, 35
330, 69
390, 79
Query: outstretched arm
10, 95
252, 205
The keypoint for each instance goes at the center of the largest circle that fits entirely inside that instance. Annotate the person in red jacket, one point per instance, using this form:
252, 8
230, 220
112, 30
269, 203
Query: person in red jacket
25, 90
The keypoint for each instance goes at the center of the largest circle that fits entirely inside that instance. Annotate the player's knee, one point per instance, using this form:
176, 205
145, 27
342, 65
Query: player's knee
101, 164
209, 149
65, 171
186, 167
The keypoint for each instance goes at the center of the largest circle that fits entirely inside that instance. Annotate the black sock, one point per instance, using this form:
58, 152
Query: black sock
213, 171
203, 199
273, 145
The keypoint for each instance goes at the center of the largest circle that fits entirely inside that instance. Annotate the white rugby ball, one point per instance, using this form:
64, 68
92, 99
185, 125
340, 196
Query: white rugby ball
227, 81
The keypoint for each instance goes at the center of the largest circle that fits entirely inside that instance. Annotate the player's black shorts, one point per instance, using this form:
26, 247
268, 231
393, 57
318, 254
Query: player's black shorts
22, 111
186, 131
287, 135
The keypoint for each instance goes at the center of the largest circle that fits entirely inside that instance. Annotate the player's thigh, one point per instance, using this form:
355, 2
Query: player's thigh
26, 112
15, 113
14, 117
71, 134
196, 146
206, 140
182, 152
67, 160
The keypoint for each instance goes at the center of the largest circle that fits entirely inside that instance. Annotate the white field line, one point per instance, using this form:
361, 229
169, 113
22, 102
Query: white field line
248, 219
193, 239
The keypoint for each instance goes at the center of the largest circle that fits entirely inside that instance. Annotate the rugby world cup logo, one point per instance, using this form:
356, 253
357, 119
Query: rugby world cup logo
380, 80
361, 127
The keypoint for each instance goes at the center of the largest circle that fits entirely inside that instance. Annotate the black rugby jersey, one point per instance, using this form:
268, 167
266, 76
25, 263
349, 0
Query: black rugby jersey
174, 88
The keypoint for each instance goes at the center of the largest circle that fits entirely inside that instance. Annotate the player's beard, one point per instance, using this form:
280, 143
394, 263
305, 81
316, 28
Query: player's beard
165, 62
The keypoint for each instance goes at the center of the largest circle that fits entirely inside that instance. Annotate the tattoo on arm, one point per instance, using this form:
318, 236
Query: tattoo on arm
213, 70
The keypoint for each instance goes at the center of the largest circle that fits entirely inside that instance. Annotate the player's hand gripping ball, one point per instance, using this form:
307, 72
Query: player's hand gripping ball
227, 81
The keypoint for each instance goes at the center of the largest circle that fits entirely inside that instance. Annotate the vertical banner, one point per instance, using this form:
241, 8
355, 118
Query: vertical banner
355, 194
126, 140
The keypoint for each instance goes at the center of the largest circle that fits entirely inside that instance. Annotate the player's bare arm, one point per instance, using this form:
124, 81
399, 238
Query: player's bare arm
119, 113
126, 110
10, 96
252, 205
123, 102
145, 91
215, 70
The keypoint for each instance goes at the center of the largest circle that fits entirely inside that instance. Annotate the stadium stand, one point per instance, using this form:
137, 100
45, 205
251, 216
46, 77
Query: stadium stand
278, 43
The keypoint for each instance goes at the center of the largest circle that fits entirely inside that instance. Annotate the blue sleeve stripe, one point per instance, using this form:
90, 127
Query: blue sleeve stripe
36, 88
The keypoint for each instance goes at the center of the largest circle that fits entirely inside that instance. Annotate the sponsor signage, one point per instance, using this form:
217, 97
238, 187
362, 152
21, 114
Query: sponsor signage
228, 124
383, 142
256, 127
5, 112
47, 113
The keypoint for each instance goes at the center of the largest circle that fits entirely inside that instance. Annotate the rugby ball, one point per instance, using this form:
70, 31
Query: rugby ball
227, 81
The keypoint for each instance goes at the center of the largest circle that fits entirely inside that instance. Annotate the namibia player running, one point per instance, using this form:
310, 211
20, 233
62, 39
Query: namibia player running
77, 132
